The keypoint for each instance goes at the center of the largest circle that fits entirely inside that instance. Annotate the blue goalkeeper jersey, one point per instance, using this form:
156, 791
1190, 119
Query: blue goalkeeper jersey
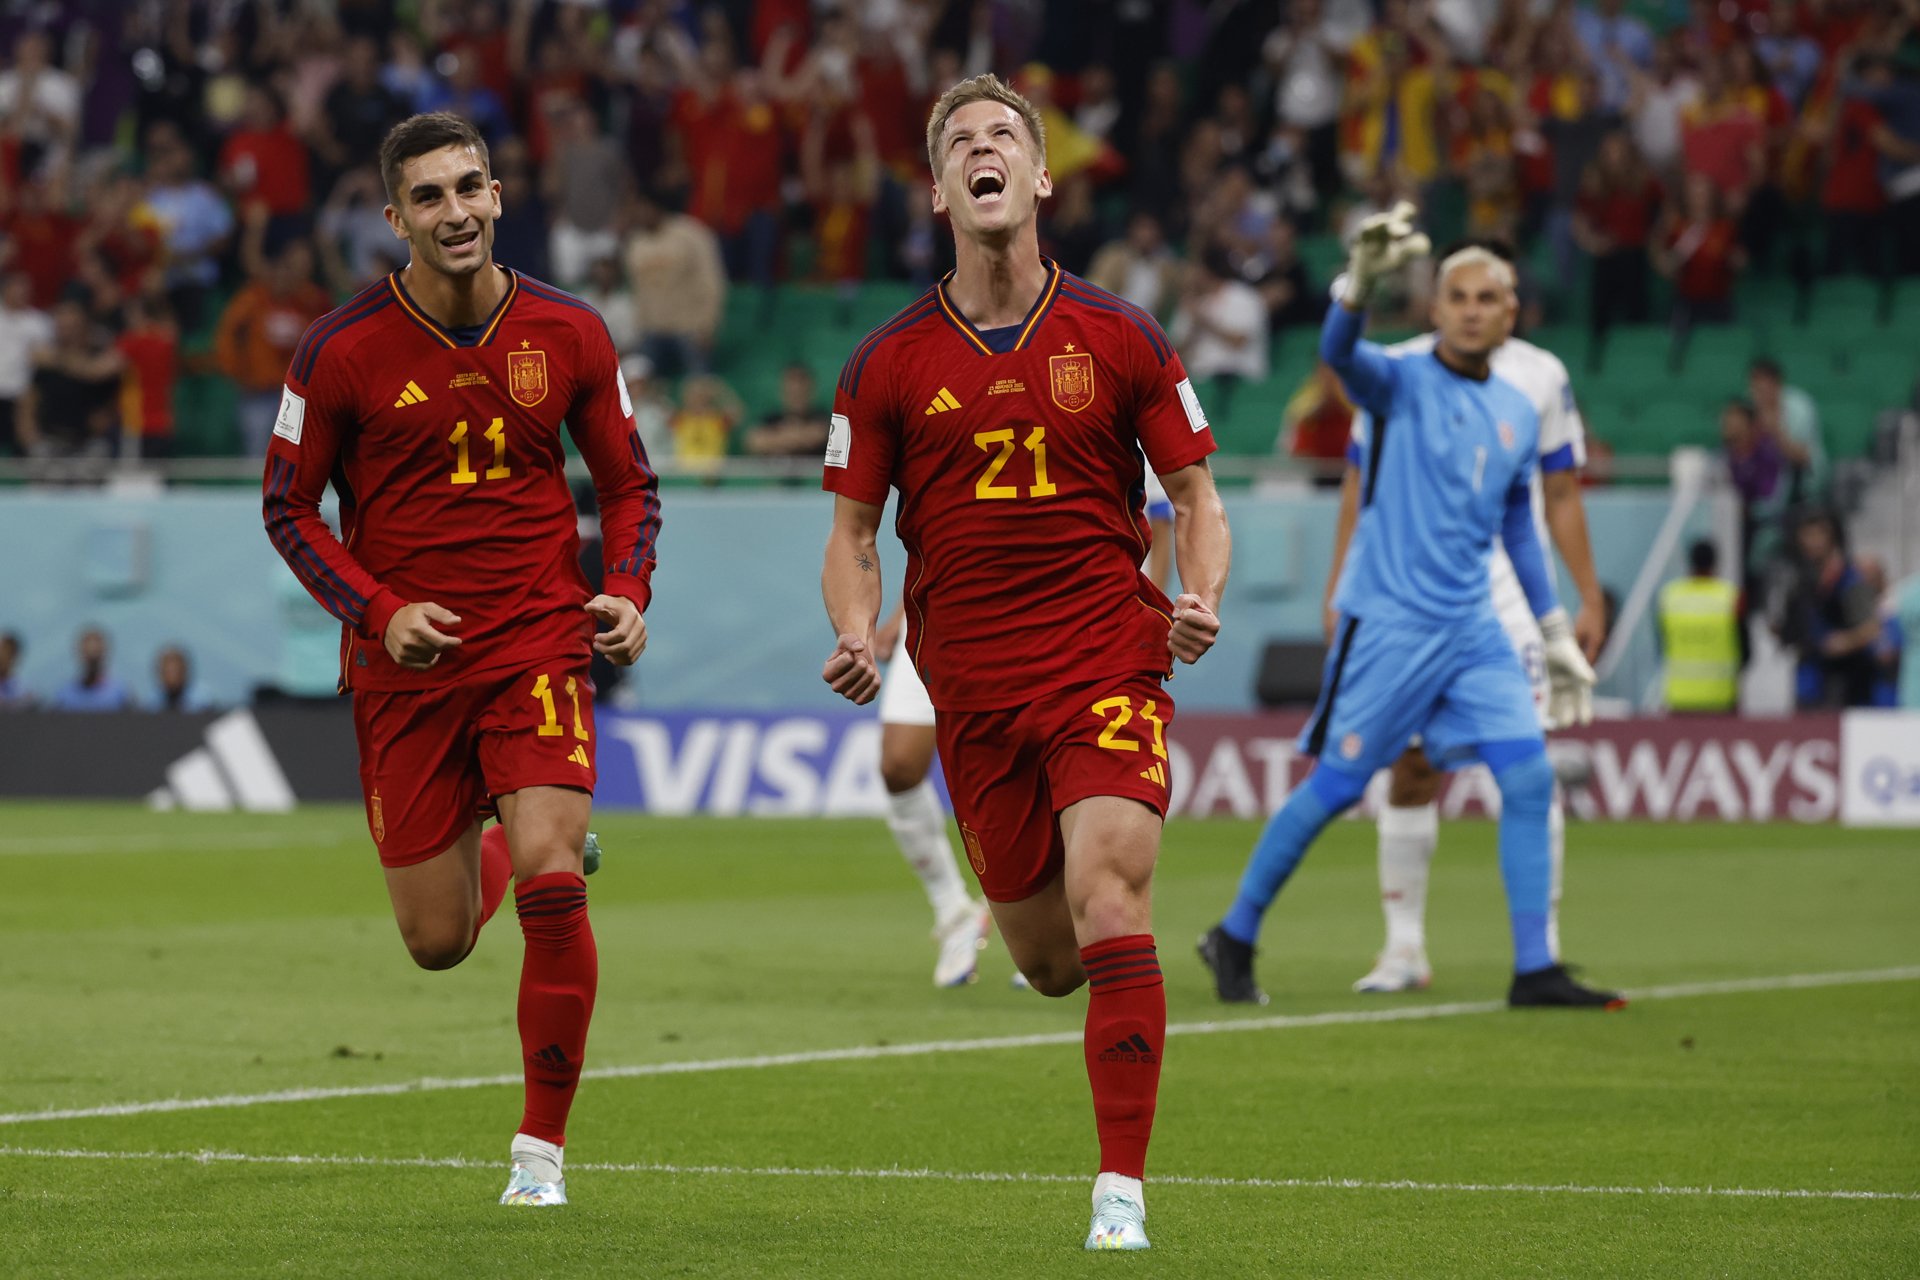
1445, 463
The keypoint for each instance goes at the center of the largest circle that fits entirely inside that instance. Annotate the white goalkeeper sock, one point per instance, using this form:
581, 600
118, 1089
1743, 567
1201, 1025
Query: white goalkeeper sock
1557, 848
919, 827
1408, 837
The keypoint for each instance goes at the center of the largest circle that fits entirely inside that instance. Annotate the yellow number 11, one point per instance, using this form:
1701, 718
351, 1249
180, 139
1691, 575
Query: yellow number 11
463, 472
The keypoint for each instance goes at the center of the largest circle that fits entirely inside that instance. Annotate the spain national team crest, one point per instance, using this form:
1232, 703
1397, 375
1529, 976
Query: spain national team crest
527, 376
976, 856
1072, 380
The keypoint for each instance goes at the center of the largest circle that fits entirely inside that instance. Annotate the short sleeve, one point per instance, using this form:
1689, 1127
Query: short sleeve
1172, 427
863, 435
1563, 437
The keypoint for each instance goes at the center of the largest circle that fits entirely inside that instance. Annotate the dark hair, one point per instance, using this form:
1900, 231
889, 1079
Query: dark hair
1500, 249
417, 135
1768, 367
12, 638
1741, 403
1703, 558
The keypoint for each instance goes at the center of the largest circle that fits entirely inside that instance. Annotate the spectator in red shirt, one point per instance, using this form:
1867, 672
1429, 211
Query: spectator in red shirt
735, 150
120, 236
264, 165
1846, 132
840, 166
1612, 222
1723, 134
1318, 425
258, 332
43, 236
1699, 250
150, 351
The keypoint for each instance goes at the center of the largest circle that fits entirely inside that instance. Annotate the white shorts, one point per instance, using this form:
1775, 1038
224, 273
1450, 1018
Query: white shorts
903, 696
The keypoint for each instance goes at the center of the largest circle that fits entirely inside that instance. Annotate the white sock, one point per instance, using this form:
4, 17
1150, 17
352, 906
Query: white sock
1408, 837
1557, 847
919, 827
1120, 1182
541, 1158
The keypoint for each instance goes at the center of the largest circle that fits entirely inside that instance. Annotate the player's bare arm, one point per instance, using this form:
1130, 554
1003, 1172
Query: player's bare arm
412, 638
850, 585
1204, 551
1342, 535
1567, 522
625, 638
887, 635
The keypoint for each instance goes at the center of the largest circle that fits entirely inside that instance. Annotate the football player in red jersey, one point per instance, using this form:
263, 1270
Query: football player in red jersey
1009, 406
433, 403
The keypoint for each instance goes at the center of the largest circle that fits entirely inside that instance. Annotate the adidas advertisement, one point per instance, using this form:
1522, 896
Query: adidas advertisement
1802, 769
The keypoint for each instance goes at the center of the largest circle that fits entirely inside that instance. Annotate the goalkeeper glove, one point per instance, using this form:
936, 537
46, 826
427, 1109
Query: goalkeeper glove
1569, 678
1384, 243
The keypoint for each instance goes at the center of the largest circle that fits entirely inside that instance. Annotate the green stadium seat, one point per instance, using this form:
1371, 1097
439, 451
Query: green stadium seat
1674, 421
1571, 342
1641, 356
1847, 425
1842, 298
1883, 373
1715, 358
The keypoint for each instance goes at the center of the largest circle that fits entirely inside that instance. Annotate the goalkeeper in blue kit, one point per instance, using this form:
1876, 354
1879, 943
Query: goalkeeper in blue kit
1445, 465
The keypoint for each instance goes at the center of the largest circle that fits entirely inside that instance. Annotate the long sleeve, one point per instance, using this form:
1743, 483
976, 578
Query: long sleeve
1521, 537
601, 422
1366, 371
303, 450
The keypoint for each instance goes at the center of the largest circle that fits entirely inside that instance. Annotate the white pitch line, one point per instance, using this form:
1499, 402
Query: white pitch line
967, 1175
162, 842
863, 1053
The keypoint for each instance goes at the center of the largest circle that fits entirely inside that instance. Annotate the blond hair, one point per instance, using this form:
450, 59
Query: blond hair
986, 88
1476, 256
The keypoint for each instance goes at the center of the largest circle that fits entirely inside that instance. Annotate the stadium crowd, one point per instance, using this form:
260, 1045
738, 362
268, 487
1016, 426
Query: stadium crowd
185, 185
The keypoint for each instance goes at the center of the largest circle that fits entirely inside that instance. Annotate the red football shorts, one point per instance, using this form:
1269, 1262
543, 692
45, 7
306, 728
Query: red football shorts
1011, 771
431, 762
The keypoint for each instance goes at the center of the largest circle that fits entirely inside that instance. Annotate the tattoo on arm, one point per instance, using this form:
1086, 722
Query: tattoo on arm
865, 562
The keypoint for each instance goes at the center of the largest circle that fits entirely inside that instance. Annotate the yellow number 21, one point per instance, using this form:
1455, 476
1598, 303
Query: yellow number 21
1036, 444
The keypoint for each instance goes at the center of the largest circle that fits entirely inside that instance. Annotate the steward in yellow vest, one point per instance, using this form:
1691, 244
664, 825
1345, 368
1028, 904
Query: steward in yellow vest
1700, 636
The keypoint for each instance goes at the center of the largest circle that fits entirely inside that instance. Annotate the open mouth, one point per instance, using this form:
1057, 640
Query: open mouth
461, 241
986, 185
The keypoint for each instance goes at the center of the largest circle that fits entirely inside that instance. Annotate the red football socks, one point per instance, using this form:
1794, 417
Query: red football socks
496, 873
1126, 1025
557, 984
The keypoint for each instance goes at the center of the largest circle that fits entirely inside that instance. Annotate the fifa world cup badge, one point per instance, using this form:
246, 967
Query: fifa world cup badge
527, 376
1072, 380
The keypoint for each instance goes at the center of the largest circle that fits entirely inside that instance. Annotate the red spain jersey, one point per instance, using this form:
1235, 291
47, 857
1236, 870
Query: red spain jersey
444, 448
1016, 452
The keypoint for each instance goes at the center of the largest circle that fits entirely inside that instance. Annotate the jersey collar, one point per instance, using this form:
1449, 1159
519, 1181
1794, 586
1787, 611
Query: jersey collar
1041, 307
465, 338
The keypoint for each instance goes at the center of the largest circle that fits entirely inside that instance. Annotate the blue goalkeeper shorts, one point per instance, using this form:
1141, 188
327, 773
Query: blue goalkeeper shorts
1455, 687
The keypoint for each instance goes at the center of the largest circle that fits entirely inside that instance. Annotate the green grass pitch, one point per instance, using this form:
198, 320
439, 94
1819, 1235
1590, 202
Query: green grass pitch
147, 957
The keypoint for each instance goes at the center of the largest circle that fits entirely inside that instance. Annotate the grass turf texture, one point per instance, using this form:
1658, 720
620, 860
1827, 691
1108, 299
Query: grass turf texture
152, 956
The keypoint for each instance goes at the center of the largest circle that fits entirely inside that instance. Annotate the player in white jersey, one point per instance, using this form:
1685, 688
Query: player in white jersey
914, 813
1410, 822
